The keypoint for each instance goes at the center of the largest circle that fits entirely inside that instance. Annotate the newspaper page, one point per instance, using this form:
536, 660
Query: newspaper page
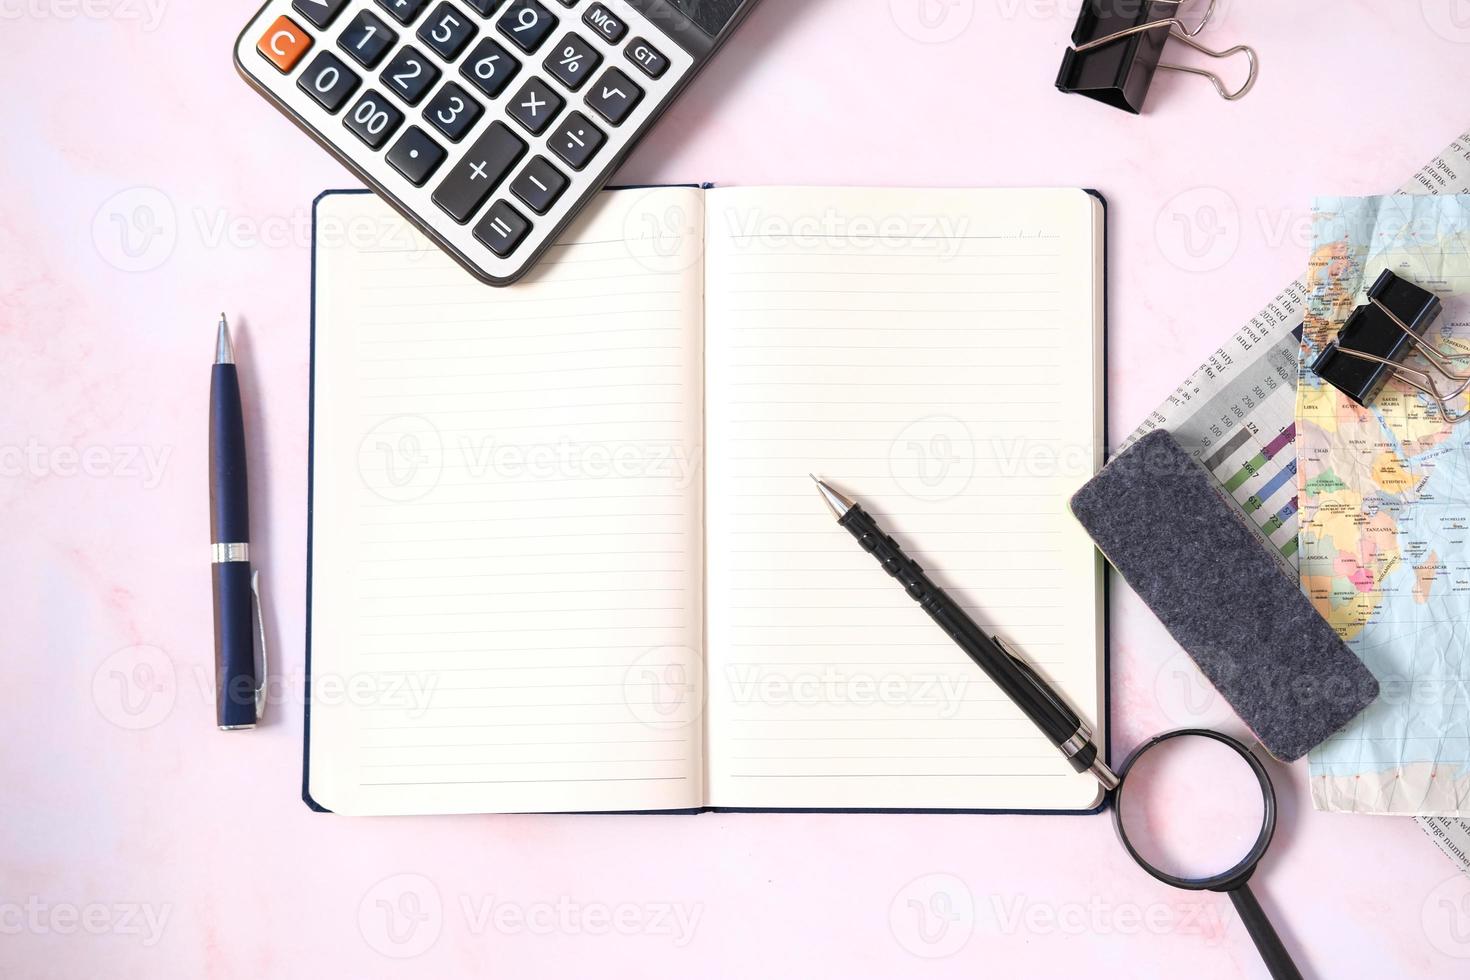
1236, 414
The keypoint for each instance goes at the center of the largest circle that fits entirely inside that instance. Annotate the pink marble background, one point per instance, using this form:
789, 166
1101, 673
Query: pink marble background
146, 187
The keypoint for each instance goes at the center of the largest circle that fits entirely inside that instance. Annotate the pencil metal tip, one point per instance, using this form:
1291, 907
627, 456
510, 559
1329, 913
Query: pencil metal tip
1105, 776
224, 351
836, 502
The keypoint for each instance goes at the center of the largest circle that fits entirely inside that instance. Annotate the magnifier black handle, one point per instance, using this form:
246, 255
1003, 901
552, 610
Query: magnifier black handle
1278, 960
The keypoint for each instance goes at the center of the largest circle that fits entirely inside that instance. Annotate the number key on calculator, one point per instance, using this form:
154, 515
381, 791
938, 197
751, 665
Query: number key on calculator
488, 123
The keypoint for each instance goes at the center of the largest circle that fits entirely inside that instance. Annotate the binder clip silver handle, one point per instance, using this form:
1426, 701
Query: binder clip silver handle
1071, 77
1173, 23
1251, 60
1420, 380
1181, 31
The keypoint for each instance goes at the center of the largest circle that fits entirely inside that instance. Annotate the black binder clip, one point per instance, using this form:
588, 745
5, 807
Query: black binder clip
1117, 44
1379, 336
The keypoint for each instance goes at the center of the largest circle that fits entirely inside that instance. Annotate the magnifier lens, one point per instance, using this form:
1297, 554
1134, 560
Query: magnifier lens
1191, 807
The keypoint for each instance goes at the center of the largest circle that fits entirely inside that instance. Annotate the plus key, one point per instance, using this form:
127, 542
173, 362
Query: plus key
483, 167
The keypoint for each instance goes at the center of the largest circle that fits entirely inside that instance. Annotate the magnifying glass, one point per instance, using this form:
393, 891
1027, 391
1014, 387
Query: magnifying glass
1197, 810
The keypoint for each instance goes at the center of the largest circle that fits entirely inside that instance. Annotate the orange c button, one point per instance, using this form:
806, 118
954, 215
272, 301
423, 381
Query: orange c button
284, 43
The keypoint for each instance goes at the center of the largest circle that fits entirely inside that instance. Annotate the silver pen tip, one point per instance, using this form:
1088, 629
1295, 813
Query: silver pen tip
224, 351
836, 502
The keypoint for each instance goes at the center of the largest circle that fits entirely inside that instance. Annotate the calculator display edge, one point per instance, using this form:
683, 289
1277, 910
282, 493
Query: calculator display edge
731, 15
693, 38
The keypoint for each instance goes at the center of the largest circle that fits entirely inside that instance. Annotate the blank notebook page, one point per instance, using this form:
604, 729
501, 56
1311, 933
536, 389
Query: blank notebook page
936, 355
506, 553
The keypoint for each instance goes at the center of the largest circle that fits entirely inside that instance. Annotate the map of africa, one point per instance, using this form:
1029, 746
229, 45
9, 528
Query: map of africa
1385, 514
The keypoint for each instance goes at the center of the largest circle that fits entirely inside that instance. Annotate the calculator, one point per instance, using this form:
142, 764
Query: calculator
487, 123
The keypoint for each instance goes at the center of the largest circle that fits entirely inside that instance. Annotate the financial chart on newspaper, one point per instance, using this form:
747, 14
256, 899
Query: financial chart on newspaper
1236, 413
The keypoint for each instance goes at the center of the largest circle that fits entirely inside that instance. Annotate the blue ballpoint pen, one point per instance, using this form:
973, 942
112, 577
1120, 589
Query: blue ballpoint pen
239, 687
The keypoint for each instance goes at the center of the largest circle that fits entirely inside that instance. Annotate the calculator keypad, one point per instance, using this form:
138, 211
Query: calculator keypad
404, 11
329, 81
479, 172
519, 108
539, 185
572, 61
526, 23
367, 39
453, 111
416, 156
409, 75
284, 44
605, 23
321, 13
535, 105
650, 60
490, 67
614, 96
373, 119
502, 229
577, 141
447, 31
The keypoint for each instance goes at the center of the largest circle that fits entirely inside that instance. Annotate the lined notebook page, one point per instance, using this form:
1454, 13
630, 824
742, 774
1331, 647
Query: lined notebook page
937, 355
506, 556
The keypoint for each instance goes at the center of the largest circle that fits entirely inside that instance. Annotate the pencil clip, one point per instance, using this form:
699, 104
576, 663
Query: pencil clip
1117, 47
1379, 336
263, 674
1044, 686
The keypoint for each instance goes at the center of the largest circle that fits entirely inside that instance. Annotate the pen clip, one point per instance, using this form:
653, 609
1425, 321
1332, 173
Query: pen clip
262, 674
1081, 739
1043, 684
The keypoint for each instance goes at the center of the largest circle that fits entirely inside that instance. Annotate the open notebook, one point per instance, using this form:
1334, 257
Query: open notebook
565, 552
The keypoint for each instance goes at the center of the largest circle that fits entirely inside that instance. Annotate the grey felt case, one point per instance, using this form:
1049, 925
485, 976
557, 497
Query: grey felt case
1164, 523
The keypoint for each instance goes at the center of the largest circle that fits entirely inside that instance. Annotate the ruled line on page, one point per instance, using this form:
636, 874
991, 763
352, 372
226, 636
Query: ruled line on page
910, 417
475, 549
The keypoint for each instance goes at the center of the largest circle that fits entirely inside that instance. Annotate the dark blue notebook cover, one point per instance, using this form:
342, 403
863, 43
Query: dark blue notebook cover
1104, 722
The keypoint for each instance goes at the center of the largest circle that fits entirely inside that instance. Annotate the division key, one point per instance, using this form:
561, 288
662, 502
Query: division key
479, 172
